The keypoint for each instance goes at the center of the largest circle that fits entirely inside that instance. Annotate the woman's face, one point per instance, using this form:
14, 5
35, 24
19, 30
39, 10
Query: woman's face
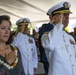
4, 31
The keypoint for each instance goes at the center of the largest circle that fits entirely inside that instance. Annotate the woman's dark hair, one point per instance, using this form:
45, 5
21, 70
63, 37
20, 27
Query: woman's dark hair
7, 18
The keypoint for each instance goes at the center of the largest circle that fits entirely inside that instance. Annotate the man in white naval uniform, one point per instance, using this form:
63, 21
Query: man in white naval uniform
27, 47
61, 45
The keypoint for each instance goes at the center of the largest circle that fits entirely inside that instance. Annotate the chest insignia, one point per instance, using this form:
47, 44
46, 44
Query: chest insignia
30, 40
71, 41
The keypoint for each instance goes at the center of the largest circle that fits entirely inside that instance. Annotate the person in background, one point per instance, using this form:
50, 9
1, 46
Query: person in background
27, 47
43, 58
46, 27
10, 58
74, 34
59, 43
35, 36
24, 22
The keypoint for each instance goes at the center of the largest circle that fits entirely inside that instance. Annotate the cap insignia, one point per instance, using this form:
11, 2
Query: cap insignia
66, 5
24, 21
46, 32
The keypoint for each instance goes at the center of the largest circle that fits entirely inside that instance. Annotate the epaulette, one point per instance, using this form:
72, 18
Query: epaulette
30, 35
46, 32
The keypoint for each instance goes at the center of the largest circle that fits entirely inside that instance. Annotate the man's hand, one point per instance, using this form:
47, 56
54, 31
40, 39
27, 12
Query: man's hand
57, 18
51, 22
61, 17
35, 69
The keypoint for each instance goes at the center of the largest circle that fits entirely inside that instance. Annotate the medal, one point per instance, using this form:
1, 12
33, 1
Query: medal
71, 41
30, 40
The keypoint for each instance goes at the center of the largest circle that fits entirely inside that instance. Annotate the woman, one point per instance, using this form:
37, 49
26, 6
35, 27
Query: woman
27, 47
10, 60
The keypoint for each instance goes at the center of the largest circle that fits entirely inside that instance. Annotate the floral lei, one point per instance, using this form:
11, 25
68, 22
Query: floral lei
14, 63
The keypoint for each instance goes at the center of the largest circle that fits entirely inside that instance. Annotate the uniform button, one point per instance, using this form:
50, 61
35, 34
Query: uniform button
72, 65
70, 55
63, 36
67, 45
27, 49
74, 46
62, 47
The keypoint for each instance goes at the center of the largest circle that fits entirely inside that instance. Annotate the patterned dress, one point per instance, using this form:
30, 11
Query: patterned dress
17, 70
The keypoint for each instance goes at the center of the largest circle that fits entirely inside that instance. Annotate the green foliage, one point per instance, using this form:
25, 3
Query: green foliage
15, 28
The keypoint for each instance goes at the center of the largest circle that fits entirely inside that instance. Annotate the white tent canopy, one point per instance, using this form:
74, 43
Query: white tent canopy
35, 10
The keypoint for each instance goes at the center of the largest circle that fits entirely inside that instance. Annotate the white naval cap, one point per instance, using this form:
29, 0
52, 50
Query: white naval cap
62, 7
23, 20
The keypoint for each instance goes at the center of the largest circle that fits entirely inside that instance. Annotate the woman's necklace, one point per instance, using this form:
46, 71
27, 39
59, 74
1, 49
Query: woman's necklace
14, 63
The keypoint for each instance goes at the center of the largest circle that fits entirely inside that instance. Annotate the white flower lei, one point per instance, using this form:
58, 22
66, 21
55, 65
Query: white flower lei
14, 63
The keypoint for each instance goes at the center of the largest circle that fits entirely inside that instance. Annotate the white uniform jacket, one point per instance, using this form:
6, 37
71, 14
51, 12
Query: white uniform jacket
63, 51
28, 50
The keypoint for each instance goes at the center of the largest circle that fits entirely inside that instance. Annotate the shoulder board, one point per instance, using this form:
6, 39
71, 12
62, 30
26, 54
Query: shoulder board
30, 35
46, 32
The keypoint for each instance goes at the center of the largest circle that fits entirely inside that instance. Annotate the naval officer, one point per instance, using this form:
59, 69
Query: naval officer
60, 45
46, 27
27, 47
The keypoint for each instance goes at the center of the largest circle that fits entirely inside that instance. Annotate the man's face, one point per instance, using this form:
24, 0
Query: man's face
65, 19
22, 27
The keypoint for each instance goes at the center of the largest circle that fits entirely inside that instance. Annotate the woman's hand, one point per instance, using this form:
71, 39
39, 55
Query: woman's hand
10, 57
4, 49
